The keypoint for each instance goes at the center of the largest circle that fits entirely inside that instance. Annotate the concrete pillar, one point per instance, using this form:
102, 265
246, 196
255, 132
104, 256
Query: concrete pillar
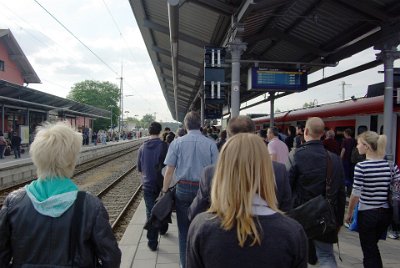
272, 112
236, 48
388, 54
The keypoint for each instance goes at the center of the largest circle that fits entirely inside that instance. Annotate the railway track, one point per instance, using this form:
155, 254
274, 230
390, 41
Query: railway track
82, 168
121, 197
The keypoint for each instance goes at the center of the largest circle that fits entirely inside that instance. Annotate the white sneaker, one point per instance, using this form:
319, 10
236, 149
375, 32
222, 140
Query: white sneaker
346, 225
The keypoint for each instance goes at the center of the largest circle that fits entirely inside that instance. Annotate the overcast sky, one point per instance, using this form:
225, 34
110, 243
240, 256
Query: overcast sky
108, 28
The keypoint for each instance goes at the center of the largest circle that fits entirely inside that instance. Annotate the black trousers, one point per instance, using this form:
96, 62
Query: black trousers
372, 224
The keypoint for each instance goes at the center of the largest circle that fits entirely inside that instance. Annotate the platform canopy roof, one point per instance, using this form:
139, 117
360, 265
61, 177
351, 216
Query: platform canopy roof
315, 32
15, 52
21, 96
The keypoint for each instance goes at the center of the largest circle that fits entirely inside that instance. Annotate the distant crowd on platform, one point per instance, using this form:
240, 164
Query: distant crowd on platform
10, 145
232, 189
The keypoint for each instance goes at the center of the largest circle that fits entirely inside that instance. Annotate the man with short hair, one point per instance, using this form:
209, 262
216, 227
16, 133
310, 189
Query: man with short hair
241, 124
149, 163
277, 149
307, 167
187, 156
16, 145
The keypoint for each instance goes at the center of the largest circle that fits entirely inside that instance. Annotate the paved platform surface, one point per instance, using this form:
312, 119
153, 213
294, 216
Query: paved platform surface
136, 254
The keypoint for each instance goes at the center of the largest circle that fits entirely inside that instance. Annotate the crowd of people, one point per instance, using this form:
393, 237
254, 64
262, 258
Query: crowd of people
234, 187
231, 193
10, 145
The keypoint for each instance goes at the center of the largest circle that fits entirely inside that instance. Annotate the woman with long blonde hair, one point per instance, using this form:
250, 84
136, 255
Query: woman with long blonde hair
243, 227
372, 179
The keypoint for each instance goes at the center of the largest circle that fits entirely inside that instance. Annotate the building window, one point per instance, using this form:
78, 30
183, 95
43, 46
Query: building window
1, 65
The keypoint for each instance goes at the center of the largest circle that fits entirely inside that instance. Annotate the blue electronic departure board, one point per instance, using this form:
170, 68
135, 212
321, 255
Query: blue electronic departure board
267, 79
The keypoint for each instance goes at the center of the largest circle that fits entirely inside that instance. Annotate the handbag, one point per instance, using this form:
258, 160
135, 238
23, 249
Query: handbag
316, 215
161, 211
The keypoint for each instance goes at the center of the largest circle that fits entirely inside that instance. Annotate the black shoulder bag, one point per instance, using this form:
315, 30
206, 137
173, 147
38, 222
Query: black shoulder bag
316, 215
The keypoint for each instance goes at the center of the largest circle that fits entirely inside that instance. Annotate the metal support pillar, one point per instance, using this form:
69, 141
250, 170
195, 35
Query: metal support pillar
2, 118
236, 48
388, 55
202, 109
272, 113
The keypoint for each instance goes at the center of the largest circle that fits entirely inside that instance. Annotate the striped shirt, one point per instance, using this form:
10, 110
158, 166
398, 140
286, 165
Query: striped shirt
371, 183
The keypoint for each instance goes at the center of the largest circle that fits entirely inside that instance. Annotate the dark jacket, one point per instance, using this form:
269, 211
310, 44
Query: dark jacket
202, 200
150, 162
307, 167
35, 240
15, 141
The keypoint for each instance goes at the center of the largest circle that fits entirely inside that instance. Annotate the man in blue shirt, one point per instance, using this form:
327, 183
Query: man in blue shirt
187, 156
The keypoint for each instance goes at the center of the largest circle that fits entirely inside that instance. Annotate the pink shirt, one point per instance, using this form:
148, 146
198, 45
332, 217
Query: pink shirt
279, 149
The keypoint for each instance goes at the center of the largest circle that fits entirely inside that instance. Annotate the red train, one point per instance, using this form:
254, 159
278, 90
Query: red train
356, 114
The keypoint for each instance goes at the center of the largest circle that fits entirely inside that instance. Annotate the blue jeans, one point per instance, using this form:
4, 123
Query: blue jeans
150, 197
326, 257
372, 223
184, 195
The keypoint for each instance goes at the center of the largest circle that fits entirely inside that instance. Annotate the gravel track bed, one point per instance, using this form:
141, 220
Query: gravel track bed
99, 178
117, 198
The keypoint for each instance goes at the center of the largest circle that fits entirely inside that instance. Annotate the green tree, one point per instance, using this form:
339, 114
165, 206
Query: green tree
308, 104
134, 121
146, 120
103, 95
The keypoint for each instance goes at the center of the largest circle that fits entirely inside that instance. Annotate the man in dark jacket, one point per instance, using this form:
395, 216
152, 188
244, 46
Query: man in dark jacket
16, 145
241, 124
307, 167
150, 162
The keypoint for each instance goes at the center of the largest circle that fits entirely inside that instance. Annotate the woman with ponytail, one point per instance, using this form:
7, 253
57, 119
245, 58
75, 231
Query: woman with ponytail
243, 227
370, 190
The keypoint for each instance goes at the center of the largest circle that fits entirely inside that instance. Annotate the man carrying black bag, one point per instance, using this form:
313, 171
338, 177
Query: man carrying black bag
308, 170
150, 162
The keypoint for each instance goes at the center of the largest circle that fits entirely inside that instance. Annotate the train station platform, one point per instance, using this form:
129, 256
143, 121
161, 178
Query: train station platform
14, 170
136, 254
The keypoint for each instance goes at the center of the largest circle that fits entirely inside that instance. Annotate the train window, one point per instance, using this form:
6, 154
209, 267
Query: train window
374, 123
361, 129
340, 132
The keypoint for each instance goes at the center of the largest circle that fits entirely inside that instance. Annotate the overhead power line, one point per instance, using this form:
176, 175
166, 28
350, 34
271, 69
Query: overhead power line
108, 66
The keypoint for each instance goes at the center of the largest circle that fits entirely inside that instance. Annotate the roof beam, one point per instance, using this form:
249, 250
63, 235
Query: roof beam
180, 72
180, 58
182, 88
216, 6
182, 37
173, 21
348, 72
365, 8
278, 34
167, 77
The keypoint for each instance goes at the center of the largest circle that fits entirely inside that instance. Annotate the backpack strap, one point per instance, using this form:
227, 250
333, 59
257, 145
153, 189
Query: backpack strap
76, 225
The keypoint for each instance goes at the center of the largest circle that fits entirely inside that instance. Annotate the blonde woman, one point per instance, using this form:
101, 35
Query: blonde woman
39, 226
243, 227
370, 190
